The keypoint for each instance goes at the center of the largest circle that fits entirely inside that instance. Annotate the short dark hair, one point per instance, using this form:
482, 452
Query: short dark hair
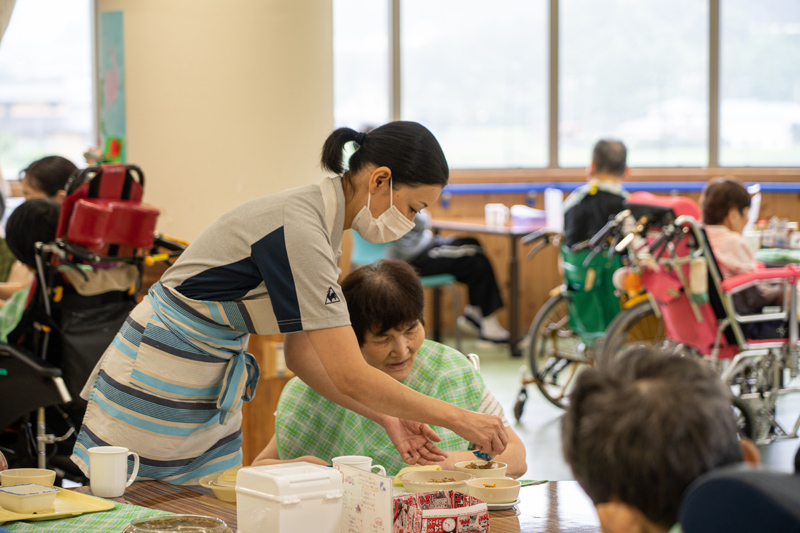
720, 196
643, 427
408, 149
383, 295
610, 157
33, 221
50, 174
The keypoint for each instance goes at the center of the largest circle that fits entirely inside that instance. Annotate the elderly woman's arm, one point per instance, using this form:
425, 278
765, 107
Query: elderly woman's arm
269, 456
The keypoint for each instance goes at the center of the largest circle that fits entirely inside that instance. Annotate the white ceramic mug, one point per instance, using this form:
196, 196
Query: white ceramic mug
108, 470
362, 462
496, 214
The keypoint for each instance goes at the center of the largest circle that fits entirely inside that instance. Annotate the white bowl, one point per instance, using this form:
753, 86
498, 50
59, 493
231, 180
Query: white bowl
18, 476
505, 489
498, 469
428, 481
27, 498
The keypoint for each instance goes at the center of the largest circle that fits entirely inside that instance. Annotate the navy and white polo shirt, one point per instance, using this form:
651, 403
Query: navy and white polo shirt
275, 257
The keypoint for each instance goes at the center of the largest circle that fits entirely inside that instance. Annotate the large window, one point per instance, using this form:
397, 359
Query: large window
535, 83
45, 83
475, 73
362, 63
760, 82
636, 71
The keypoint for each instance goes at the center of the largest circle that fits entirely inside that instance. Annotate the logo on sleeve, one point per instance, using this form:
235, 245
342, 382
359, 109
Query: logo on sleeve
332, 297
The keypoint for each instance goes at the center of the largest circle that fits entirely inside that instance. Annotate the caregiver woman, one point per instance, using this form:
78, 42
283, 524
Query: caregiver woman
171, 385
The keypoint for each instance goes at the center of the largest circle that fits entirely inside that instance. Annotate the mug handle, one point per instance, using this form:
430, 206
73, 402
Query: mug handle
381, 470
135, 468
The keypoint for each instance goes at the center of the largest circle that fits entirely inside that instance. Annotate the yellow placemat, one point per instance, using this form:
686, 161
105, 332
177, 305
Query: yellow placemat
115, 519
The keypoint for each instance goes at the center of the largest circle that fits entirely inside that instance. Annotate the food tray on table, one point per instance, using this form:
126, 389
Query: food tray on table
67, 503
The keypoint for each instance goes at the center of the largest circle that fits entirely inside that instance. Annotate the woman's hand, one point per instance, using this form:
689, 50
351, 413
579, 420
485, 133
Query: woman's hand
414, 441
487, 432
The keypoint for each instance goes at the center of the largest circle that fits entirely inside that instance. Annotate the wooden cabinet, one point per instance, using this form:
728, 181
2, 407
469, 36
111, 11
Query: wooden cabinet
258, 415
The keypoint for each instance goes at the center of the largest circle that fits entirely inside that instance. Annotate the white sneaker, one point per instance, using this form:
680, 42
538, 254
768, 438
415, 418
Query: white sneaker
467, 326
491, 330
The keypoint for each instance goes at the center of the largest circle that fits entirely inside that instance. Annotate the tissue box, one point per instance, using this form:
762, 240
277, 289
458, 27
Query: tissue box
523, 215
288, 498
446, 511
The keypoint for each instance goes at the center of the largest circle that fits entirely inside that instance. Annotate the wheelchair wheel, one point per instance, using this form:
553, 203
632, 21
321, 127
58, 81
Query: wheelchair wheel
556, 353
635, 326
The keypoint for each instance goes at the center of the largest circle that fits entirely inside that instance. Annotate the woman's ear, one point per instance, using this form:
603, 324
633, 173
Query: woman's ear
750, 452
60, 195
618, 517
379, 178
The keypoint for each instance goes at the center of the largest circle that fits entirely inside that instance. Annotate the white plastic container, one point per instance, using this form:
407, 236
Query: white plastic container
27, 498
289, 498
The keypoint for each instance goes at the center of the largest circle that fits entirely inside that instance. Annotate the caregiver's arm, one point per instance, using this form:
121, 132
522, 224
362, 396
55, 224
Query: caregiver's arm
338, 351
412, 439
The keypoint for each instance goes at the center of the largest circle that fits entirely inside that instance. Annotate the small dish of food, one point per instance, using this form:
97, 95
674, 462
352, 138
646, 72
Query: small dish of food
431, 480
479, 468
28, 498
494, 490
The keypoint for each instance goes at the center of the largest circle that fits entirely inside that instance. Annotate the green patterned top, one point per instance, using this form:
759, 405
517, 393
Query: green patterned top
7, 259
11, 312
308, 424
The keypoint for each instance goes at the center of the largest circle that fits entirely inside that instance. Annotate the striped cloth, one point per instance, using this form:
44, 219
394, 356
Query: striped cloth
171, 387
116, 519
308, 424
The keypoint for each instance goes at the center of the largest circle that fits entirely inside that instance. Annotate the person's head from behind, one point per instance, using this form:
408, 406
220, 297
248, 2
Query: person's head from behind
47, 178
398, 165
725, 202
386, 302
641, 429
609, 160
33, 221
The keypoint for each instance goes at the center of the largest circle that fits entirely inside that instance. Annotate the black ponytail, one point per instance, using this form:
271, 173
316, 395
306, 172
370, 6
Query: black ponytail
408, 149
333, 149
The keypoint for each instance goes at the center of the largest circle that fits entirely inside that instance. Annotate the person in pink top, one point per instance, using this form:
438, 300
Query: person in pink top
726, 204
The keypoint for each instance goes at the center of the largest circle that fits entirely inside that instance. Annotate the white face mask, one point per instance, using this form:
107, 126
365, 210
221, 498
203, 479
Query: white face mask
388, 227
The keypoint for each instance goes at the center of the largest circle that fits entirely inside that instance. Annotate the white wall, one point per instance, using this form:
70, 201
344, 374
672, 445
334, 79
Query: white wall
226, 100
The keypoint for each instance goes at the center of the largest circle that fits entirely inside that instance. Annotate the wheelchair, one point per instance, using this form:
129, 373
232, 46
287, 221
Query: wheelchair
86, 282
568, 330
685, 288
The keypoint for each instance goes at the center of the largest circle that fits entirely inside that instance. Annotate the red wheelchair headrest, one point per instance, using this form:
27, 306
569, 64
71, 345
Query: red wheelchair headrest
106, 209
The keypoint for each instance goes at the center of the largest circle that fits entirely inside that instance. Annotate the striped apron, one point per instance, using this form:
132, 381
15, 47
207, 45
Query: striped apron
171, 386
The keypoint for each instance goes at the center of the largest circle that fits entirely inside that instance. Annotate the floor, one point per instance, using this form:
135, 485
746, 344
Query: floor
539, 427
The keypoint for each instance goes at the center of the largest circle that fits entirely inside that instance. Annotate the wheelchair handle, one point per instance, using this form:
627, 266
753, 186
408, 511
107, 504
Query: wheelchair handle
44, 369
536, 235
610, 227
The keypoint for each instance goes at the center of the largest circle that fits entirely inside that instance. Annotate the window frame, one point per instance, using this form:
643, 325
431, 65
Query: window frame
553, 170
13, 180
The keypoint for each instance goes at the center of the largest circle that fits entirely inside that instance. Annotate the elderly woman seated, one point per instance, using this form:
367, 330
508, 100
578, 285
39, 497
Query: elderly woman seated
385, 301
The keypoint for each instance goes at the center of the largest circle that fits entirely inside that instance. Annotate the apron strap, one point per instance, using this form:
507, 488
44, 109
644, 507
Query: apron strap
239, 385
241, 373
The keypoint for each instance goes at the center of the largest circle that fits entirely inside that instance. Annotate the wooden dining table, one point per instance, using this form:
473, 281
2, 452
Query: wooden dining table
557, 506
514, 232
